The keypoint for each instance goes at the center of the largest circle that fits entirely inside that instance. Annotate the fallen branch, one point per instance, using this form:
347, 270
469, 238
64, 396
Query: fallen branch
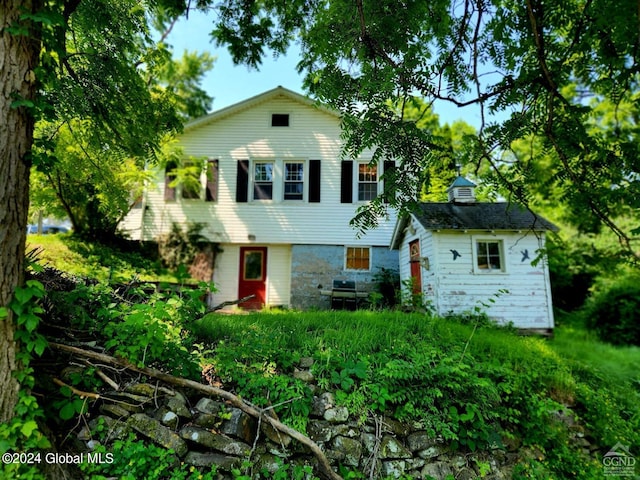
233, 400
231, 302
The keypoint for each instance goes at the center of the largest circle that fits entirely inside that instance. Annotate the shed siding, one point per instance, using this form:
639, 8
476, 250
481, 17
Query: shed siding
459, 289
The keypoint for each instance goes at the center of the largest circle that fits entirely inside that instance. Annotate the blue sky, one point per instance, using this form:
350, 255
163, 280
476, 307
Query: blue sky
229, 83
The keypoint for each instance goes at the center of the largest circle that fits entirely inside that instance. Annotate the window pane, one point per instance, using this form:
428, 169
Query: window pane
367, 182
358, 258
489, 256
253, 266
264, 172
263, 181
293, 181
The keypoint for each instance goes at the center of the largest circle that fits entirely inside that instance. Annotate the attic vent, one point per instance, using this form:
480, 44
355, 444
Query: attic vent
465, 192
280, 120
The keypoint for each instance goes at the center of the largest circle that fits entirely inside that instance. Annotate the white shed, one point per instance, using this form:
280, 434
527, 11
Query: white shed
462, 255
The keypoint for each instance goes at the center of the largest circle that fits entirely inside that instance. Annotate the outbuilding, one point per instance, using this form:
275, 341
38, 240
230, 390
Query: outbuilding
465, 256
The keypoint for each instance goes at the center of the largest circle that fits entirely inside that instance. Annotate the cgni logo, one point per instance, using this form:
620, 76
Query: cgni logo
619, 461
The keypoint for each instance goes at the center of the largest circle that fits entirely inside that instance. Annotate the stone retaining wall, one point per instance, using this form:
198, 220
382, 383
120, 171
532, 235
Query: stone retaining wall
203, 431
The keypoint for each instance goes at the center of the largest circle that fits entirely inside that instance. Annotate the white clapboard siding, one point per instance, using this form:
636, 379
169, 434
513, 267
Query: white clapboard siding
527, 303
246, 134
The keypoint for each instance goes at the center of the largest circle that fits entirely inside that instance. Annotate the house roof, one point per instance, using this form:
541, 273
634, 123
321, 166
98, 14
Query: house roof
501, 216
279, 91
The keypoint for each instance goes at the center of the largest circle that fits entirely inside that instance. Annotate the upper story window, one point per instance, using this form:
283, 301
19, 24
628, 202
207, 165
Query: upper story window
263, 181
367, 182
190, 181
293, 180
490, 256
279, 119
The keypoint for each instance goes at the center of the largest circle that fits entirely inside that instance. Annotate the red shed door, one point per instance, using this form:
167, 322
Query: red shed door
414, 259
253, 276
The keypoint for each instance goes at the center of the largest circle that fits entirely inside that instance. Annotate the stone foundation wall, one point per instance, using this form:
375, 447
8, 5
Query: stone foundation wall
314, 267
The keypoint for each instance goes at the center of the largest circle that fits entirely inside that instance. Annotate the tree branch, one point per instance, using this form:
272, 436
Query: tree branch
233, 400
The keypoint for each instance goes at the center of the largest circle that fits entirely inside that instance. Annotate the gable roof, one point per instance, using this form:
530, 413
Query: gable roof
477, 216
279, 91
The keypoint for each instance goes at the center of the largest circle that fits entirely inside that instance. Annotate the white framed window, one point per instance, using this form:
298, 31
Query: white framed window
358, 258
263, 181
293, 180
367, 182
488, 255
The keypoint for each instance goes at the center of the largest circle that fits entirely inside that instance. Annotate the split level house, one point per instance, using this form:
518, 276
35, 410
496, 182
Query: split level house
465, 256
276, 197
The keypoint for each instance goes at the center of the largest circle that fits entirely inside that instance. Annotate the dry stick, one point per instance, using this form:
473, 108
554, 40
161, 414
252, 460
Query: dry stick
209, 390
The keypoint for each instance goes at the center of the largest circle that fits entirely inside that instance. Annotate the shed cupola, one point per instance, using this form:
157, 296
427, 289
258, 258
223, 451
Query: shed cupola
461, 191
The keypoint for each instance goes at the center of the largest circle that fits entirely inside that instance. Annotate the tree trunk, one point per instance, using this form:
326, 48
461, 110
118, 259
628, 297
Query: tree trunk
18, 58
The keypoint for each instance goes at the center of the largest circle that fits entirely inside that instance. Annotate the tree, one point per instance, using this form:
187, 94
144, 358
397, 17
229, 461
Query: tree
48, 75
95, 181
545, 67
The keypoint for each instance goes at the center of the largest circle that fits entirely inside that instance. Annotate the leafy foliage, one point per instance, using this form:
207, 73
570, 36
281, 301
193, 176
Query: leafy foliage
614, 312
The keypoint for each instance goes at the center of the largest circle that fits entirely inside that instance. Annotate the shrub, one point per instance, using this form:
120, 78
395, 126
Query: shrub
614, 313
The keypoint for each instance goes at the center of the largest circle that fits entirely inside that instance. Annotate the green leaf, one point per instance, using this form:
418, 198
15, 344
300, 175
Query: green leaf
28, 427
68, 411
4, 313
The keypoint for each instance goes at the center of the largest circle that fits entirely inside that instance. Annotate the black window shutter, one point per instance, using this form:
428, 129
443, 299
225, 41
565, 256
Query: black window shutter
242, 181
389, 181
211, 191
169, 176
314, 181
346, 182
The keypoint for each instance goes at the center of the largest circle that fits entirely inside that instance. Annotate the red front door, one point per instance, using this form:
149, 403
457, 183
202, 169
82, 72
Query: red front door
414, 259
253, 276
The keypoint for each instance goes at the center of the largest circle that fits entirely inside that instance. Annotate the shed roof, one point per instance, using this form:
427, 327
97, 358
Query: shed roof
502, 216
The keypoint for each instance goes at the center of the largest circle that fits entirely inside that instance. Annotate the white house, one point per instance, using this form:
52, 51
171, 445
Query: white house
277, 197
464, 254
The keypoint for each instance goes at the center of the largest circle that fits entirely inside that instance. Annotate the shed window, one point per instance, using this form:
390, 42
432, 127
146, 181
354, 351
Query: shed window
489, 255
280, 120
358, 258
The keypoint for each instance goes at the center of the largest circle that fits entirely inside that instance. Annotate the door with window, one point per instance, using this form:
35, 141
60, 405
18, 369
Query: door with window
253, 276
414, 261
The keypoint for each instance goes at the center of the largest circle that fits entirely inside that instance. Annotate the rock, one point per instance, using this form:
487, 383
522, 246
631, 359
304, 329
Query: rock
178, 405
420, 441
207, 459
157, 433
167, 418
394, 468
115, 429
320, 431
129, 401
306, 362
395, 427
322, 403
219, 442
114, 410
351, 448
240, 425
142, 389
206, 405
431, 452
305, 375
437, 470
466, 474
336, 415
391, 448
206, 420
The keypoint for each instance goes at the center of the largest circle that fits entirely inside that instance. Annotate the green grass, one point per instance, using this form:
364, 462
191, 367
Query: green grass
93, 260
